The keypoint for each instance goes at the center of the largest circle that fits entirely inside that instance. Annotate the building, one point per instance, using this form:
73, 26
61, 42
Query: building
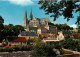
18, 41
28, 35
60, 36
34, 24
42, 30
49, 37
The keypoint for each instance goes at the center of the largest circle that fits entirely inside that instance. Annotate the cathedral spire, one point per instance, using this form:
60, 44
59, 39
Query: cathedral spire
25, 14
25, 22
31, 16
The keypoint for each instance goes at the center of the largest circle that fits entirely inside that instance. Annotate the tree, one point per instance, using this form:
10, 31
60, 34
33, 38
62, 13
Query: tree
63, 8
11, 30
71, 28
70, 44
1, 27
63, 27
78, 24
18, 29
42, 50
1, 20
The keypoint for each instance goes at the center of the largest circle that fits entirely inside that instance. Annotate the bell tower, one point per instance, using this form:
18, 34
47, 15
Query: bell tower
31, 16
25, 22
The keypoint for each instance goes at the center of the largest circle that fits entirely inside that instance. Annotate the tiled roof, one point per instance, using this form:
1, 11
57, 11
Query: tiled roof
20, 39
44, 35
47, 34
50, 34
7, 46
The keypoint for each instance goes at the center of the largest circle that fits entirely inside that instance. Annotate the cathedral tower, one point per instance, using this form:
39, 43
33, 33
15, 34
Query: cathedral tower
31, 16
25, 22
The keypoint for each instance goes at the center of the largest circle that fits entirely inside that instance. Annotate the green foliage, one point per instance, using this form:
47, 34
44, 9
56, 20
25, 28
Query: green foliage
8, 49
30, 41
1, 20
1, 27
16, 48
78, 24
70, 44
18, 29
37, 40
42, 49
11, 30
71, 28
63, 8
57, 45
23, 48
63, 27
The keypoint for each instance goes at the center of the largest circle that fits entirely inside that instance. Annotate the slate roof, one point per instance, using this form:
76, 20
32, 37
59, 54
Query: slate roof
45, 19
28, 33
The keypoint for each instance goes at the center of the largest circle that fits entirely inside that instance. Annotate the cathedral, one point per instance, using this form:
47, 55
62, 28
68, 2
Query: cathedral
33, 24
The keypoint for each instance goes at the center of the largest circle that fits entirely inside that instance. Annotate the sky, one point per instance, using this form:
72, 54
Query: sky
13, 12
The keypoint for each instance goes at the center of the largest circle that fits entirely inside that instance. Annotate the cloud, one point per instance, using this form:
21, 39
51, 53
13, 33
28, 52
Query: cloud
21, 2
74, 26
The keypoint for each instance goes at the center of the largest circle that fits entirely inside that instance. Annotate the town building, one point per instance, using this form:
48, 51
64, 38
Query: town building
48, 37
28, 35
18, 41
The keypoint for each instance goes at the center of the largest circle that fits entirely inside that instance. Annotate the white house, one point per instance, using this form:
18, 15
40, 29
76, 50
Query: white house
60, 36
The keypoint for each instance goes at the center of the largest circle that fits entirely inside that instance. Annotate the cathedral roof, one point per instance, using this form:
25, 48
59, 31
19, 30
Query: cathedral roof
45, 19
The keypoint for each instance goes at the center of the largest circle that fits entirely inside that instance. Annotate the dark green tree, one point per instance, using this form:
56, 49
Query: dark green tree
63, 27
10, 31
70, 44
18, 29
78, 24
1, 27
62, 8
43, 50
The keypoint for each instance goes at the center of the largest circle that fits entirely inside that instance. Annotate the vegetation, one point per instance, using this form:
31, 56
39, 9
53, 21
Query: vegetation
10, 30
42, 49
63, 27
16, 48
1, 27
78, 24
70, 44
63, 8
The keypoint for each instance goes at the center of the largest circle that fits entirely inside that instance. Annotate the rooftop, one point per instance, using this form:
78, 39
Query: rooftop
28, 33
20, 39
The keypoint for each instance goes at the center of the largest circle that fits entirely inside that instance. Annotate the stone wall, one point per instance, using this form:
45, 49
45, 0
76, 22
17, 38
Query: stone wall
16, 54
